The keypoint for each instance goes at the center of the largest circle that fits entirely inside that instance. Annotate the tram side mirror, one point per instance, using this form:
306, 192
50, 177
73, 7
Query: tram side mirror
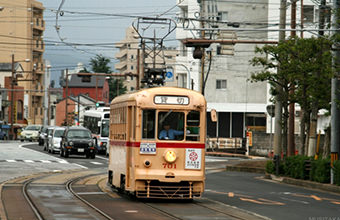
213, 115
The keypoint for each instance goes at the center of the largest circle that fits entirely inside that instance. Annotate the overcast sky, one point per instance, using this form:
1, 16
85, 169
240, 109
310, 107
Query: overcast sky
88, 21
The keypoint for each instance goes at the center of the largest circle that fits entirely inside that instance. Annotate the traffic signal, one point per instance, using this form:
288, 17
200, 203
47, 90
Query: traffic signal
100, 104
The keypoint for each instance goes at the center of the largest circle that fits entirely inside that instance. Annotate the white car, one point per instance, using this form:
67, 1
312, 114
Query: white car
55, 139
31, 133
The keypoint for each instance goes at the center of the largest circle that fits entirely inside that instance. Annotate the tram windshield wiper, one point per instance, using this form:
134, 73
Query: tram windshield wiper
165, 116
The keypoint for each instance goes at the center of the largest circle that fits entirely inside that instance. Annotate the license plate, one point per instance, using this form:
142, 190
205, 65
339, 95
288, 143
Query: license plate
80, 149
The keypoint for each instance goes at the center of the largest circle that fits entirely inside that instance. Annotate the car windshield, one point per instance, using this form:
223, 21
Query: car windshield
58, 133
32, 128
79, 134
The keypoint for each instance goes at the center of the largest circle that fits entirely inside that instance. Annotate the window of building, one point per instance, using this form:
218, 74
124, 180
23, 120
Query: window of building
131, 57
308, 14
222, 16
131, 67
221, 84
20, 109
182, 80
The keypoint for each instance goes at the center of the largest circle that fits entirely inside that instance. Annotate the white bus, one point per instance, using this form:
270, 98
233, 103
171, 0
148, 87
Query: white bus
98, 122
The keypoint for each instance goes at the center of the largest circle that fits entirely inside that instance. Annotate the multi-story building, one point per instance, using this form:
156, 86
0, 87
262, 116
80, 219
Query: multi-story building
239, 103
21, 32
128, 60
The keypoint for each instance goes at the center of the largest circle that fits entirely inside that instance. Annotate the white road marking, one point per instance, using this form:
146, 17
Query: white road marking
80, 166
91, 193
103, 158
62, 161
11, 161
45, 161
28, 161
96, 163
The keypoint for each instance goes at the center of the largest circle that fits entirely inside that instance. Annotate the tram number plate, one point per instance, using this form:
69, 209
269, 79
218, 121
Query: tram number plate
80, 149
147, 148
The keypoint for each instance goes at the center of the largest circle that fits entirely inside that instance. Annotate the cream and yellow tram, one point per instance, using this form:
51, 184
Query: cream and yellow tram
157, 143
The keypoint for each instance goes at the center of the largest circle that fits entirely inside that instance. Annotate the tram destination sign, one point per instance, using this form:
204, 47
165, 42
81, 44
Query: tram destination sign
171, 100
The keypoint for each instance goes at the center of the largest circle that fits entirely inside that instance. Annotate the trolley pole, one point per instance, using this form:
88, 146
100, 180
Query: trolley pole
335, 111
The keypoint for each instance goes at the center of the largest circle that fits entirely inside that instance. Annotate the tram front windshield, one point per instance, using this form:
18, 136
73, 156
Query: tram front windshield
170, 125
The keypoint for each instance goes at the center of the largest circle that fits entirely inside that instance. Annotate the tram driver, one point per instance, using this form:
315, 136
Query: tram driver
168, 133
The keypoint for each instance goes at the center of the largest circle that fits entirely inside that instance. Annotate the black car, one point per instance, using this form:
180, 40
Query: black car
77, 140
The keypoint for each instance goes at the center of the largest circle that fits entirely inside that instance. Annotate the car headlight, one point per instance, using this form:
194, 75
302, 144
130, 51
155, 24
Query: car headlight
55, 142
91, 144
170, 156
104, 144
70, 143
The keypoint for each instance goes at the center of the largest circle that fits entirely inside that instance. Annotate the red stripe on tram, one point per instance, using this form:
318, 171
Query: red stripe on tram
159, 144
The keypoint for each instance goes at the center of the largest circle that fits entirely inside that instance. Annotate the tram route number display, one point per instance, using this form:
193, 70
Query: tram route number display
147, 148
193, 159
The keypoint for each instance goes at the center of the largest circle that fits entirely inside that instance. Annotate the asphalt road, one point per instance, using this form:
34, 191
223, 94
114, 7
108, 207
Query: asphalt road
251, 192
246, 191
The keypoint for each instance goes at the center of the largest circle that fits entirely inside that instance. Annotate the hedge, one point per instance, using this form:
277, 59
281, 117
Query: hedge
295, 167
336, 166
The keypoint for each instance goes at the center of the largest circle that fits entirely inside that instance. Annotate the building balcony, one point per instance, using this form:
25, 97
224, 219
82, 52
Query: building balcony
38, 45
121, 53
39, 68
39, 90
38, 24
120, 65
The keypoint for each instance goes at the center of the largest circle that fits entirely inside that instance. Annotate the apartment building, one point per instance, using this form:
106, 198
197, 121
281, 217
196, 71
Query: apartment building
239, 103
21, 34
128, 61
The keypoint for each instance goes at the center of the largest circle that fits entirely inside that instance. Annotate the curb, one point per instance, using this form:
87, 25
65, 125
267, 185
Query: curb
305, 183
245, 169
223, 154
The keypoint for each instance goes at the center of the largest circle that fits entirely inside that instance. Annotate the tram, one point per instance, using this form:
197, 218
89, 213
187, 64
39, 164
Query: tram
157, 143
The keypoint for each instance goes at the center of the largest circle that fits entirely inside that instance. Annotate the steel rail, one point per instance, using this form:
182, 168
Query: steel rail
29, 199
70, 190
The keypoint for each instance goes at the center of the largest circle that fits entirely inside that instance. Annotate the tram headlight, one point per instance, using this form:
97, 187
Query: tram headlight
170, 156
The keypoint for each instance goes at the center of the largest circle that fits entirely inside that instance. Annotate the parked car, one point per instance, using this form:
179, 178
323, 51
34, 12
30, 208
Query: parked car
30, 133
77, 140
42, 135
55, 139
48, 135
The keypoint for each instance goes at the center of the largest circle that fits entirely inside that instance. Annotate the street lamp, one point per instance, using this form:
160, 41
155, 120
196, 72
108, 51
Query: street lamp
13, 82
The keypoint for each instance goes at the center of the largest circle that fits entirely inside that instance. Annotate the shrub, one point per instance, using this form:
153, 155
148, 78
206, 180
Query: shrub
295, 167
336, 166
320, 171
270, 166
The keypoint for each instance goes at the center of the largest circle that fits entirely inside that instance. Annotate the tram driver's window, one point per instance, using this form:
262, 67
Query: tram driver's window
149, 120
193, 123
170, 125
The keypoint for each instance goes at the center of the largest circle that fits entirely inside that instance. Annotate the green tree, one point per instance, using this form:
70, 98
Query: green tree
305, 66
100, 64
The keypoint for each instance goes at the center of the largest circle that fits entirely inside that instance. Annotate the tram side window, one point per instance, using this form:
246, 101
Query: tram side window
193, 123
149, 120
171, 125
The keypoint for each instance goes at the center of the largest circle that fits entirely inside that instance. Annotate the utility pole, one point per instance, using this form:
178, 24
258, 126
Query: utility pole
278, 103
335, 111
203, 50
291, 122
66, 97
12, 99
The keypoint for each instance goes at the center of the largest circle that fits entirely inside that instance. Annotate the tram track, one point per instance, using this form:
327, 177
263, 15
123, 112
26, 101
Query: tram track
88, 191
